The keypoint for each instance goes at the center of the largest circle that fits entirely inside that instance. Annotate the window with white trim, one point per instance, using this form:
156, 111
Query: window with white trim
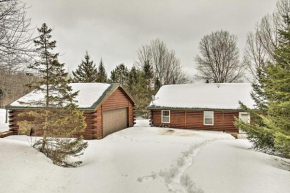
208, 117
165, 116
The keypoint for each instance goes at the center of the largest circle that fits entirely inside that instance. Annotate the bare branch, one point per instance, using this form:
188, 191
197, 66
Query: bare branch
261, 44
15, 35
166, 66
219, 58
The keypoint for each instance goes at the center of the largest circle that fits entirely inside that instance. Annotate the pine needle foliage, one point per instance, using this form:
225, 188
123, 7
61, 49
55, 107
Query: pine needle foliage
270, 128
120, 75
102, 74
86, 71
55, 115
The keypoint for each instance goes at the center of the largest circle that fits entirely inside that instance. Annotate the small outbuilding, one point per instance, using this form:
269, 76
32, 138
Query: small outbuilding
107, 108
206, 106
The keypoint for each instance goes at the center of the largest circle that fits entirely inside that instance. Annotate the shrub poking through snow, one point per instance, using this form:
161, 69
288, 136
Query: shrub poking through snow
57, 117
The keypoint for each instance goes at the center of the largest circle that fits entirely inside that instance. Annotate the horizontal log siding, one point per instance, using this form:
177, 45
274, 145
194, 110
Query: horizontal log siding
118, 100
14, 118
223, 120
99, 123
156, 118
177, 119
93, 119
229, 119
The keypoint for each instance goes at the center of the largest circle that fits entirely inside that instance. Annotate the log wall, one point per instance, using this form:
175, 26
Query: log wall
223, 120
93, 119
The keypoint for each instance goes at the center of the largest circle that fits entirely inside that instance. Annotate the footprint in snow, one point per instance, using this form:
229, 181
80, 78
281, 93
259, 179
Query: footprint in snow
147, 178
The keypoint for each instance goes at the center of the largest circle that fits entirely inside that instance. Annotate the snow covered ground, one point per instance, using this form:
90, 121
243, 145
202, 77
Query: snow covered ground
146, 159
229, 166
3, 125
2, 115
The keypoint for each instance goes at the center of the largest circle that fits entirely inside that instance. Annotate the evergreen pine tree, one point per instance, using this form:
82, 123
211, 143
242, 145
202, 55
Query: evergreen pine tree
139, 86
148, 70
86, 71
132, 79
120, 75
102, 75
157, 84
270, 128
57, 119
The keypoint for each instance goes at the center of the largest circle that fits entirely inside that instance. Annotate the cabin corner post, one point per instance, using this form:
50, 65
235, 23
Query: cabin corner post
134, 114
93, 124
185, 119
13, 121
150, 118
100, 123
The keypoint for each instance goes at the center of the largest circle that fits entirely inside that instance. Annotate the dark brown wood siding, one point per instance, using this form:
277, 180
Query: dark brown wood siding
90, 120
94, 120
223, 120
117, 100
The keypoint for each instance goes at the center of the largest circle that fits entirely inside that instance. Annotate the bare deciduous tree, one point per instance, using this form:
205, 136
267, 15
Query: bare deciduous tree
15, 35
15, 50
261, 44
13, 86
166, 66
219, 58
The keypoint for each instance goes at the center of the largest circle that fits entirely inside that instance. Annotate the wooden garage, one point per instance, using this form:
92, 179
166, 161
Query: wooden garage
201, 106
108, 108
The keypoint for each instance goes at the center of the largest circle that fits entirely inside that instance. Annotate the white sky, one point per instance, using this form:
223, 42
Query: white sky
115, 29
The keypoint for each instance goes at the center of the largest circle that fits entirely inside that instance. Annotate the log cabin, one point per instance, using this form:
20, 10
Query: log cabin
205, 106
107, 108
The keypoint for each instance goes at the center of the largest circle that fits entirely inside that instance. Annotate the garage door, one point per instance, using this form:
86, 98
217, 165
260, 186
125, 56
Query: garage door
114, 120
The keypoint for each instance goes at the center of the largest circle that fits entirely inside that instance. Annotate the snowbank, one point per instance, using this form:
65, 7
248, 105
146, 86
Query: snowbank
142, 123
230, 166
23, 169
2, 115
3, 125
144, 160
132, 160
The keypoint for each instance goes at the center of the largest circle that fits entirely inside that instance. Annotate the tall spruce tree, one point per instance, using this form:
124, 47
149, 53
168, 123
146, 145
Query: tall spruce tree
102, 74
270, 128
86, 71
139, 86
148, 70
120, 74
57, 119
132, 79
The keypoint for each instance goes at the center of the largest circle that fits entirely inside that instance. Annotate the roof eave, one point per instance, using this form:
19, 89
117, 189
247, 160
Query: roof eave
190, 108
34, 108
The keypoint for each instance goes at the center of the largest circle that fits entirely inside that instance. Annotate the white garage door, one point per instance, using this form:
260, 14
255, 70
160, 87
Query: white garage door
114, 120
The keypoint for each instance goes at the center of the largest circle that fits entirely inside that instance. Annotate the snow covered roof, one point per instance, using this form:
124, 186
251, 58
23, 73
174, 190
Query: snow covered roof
203, 96
89, 96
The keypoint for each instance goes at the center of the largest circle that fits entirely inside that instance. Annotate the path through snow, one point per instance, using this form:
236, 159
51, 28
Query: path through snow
176, 181
175, 178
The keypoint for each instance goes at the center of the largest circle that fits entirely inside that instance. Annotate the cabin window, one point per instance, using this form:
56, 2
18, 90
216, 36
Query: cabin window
165, 118
245, 117
208, 118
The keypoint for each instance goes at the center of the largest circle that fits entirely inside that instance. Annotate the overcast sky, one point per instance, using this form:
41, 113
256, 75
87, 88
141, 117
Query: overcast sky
115, 29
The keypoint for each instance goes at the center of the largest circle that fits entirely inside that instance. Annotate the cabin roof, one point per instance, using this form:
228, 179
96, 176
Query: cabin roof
203, 96
89, 97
